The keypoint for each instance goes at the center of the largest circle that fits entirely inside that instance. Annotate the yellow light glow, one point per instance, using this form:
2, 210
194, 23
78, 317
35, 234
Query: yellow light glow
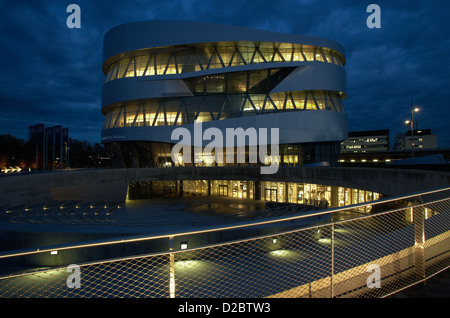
325, 240
172, 285
281, 253
189, 265
346, 231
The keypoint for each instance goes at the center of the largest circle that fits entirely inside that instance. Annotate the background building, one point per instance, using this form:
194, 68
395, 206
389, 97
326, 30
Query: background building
423, 139
160, 75
372, 148
366, 142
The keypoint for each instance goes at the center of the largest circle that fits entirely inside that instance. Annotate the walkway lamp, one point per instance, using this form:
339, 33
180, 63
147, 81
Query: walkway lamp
411, 122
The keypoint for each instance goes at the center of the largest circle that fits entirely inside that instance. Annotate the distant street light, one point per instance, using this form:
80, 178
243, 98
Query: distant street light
411, 122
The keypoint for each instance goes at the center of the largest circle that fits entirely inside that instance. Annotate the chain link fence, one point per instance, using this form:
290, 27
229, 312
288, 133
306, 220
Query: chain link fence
346, 254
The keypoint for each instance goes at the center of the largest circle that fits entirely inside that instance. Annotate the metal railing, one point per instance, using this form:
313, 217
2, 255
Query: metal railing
329, 253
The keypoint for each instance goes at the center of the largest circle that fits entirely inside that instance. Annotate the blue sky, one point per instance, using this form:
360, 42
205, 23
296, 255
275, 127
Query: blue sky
52, 74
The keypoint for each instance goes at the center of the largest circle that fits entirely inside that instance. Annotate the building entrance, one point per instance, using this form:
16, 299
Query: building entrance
270, 195
223, 190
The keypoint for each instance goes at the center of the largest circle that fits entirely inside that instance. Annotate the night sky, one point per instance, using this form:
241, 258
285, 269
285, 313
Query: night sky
52, 74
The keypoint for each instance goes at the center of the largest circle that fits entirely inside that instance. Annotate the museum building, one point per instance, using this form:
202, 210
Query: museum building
163, 75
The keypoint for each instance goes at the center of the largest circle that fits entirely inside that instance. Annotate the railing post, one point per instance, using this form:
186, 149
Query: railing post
419, 240
332, 261
171, 268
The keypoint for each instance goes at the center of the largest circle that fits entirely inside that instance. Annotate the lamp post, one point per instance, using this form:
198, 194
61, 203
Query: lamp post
413, 110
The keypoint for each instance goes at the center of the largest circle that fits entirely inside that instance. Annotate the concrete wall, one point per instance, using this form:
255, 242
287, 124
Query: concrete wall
111, 184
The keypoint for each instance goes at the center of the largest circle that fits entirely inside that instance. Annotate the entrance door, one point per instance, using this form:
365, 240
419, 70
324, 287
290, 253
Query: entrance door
170, 192
270, 195
223, 190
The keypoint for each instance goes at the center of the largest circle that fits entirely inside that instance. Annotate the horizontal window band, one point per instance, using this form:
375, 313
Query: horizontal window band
151, 62
208, 108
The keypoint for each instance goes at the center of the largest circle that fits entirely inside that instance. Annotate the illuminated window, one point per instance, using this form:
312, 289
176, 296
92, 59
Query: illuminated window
208, 56
182, 111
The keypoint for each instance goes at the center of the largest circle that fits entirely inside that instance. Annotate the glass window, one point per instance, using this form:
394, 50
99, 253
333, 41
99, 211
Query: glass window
139, 121
204, 116
278, 100
151, 67
310, 103
269, 105
130, 115
320, 101
160, 119
258, 101
107, 123
221, 106
119, 119
149, 119
161, 61
130, 71
308, 53
226, 53
237, 59
172, 67
209, 56
141, 64
122, 67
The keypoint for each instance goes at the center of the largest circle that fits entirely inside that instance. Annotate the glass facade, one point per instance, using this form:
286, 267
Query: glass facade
157, 154
321, 196
206, 56
245, 82
206, 108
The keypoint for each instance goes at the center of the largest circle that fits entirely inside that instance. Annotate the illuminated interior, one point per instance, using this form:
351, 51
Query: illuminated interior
158, 154
178, 112
197, 57
269, 191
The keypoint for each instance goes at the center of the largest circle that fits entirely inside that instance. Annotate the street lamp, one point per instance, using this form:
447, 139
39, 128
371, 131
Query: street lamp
411, 122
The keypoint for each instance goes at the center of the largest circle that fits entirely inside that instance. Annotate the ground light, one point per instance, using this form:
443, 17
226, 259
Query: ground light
188, 264
280, 253
325, 240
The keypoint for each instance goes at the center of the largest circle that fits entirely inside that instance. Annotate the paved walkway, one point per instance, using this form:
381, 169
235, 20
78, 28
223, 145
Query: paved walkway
435, 287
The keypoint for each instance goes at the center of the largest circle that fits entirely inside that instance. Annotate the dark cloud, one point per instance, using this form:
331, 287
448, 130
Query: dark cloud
53, 74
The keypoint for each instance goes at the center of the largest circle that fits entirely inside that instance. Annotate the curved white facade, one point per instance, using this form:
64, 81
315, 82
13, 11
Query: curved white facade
162, 75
